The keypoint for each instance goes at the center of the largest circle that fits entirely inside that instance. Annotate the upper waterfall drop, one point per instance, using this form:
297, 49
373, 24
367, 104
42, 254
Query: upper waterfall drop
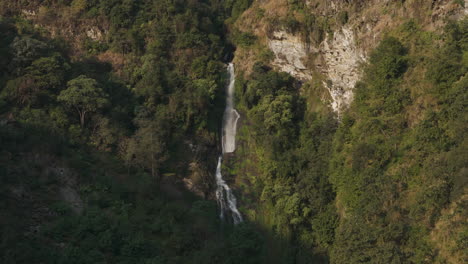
231, 116
226, 199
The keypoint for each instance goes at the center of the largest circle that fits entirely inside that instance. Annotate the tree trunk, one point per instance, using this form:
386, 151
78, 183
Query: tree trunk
152, 155
82, 119
82, 116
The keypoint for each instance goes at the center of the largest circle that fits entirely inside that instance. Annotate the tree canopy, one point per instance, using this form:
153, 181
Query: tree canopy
84, 95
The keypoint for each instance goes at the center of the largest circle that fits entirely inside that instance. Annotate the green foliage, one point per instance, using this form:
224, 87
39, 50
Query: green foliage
386, 66
292, 185
95, 47
48, 72
40, 82
136, 120
459, 2
147, 148
243, 39
25, 50
245, 245
79, 5
387, 61
343, 17
447, 65
83, 95
378, 159
291, 24
236, 7
275, 112
367, 188
371, 188
131, 149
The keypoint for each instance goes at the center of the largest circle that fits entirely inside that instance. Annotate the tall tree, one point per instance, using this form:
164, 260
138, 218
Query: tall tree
147, 148
84, 95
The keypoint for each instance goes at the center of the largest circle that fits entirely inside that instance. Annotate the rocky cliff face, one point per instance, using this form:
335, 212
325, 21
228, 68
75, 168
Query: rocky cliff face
341, 58
352, 29
338, 61
290, 53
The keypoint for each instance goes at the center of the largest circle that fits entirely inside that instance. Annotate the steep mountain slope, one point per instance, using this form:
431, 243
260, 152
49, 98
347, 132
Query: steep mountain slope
332, 38
375, 183
351, 146
106, 109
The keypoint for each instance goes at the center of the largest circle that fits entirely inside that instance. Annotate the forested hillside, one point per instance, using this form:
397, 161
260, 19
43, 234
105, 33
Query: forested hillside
351, 146
96, 132
378, 184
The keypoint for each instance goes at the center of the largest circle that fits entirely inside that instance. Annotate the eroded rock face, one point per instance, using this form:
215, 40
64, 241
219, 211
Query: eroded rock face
94, 33
338, 61
290, 54
28, 13
337, 58
342, 58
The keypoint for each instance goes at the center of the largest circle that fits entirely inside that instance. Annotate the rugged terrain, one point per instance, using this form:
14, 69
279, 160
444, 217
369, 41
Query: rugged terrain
351, 145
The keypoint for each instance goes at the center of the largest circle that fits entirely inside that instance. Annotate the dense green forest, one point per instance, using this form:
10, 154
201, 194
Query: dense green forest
370, 187
72, 127
93, 155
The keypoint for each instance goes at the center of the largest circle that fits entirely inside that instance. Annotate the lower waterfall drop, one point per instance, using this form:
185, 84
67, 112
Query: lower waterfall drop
226, 199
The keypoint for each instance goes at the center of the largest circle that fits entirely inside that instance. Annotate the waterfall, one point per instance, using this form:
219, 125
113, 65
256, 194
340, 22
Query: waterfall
226, 199
230, 116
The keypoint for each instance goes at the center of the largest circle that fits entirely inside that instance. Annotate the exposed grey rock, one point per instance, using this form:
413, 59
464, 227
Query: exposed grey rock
290, 54
339, 60
94, 33
342, 58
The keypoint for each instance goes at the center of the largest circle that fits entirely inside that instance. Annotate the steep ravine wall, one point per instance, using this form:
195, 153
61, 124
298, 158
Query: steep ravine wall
290, 53
337, 58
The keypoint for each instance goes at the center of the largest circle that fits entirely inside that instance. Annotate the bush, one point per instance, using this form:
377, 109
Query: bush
343, 17
244, 39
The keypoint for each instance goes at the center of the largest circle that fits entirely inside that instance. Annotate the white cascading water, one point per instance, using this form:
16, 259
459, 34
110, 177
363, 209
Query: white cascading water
226, 199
